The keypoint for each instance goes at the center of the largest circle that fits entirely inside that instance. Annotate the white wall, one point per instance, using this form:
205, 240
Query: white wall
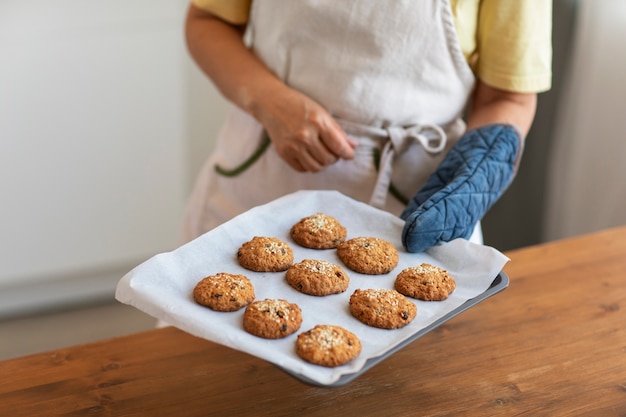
103, 123
587, 179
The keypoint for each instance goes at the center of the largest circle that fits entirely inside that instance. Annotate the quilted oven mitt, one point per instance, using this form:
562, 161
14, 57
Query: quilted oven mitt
469, 180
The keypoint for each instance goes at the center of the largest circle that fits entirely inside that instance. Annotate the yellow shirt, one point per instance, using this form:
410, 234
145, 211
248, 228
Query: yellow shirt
508, 43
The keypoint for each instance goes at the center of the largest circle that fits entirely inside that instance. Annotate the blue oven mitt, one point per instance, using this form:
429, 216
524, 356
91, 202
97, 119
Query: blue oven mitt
469, 180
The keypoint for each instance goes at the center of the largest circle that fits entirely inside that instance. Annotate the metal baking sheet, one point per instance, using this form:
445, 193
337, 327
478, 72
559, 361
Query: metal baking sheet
162, 286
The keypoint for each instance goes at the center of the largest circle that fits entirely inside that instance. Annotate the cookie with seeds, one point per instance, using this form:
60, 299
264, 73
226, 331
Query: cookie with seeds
265, 254
328, 345
368, 255
272, 318
224, 292
318, 231
382, 308
425, 282
317, 277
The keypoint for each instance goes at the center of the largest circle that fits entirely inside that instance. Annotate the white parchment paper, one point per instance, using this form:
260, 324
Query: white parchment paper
162, 286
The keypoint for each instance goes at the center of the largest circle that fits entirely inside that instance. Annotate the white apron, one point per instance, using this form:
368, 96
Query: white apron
391, 72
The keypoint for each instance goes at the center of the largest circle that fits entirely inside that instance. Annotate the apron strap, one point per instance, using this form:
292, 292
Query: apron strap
396, 141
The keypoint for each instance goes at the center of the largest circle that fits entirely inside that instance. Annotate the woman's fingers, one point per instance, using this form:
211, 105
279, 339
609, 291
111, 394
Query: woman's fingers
305, 152
336, 141
303, 133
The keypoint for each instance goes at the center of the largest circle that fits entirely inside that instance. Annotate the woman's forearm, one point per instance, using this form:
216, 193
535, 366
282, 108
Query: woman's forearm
491, 105
218, 49
303, 132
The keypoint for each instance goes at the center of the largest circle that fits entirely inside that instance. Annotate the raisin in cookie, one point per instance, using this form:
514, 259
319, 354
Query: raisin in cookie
272, 318
317, 277
368, 255
265, 254
425, 282
224, 292
318, 231
382, 308
328, 345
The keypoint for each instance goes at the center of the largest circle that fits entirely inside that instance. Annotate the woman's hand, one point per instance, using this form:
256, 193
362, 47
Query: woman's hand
475, 172
304, 134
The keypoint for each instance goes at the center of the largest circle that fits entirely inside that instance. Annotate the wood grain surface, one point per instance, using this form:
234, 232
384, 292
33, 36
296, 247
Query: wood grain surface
552, 344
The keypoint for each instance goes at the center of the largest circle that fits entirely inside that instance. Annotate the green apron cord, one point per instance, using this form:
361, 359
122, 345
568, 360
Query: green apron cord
265, 143
392, 188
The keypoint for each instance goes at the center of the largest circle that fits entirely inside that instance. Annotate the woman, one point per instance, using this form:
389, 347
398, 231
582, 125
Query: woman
368, 98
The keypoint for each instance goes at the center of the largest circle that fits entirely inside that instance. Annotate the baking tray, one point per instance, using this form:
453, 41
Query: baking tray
162, 286
500, 283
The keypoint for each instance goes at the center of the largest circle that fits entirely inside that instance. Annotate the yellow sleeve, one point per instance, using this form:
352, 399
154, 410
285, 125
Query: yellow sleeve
233, 11
514, 45
465, 13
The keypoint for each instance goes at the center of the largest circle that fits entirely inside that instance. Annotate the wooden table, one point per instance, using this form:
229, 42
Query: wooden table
552, 344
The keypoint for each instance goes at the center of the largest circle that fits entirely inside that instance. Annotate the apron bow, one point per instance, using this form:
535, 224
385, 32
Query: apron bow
432, 138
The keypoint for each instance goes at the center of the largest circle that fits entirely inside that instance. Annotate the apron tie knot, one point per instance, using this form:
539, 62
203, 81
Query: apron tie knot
432, 138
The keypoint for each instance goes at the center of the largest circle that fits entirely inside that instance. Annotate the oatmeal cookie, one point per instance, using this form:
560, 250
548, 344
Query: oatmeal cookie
318, 231
425, 282
317, 277
265, 254
328, 345
224, 292
368, 255
272, 318
382, 308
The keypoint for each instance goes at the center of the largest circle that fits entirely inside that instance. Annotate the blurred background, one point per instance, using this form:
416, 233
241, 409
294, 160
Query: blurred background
105, 121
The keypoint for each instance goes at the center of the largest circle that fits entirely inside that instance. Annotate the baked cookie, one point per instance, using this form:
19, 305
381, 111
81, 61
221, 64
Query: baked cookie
382, 308
318, 231
425, 282
265, 254
328, 345
272, 318
368, 255
224, 292
317, 277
